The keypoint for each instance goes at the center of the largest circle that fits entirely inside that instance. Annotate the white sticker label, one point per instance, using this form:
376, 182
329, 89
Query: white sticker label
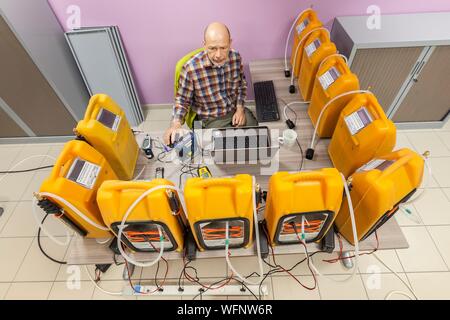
109, 119
302, 26
358, 120
312, 47
329, 77
84, 173
379, 164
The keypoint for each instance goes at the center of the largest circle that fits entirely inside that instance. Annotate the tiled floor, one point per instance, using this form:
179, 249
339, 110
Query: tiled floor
26, 274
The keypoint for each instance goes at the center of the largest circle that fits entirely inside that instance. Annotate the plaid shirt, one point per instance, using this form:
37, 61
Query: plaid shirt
210, 91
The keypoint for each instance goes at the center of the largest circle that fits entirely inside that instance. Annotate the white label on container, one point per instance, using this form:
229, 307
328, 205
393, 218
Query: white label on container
379, 164
312, 47
302, 26
329, 77
358, 120
109, 119
84, 173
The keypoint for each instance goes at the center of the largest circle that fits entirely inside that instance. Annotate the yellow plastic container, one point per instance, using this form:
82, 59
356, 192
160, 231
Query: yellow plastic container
106, 128
311, 200
317, 47
332, 79
377, 190
78, 173
362, 133
214, 202
307, 22
141, 233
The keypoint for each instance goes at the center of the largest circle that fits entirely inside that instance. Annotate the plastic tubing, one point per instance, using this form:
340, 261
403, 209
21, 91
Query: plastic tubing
327, 105
355, 237
298, 47
286, 68
125, 217
258, 245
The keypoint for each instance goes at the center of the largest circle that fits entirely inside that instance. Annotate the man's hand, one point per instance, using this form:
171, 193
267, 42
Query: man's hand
239, 117
169, 135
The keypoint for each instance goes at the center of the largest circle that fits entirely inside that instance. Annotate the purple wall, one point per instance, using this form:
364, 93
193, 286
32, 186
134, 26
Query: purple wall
156, 33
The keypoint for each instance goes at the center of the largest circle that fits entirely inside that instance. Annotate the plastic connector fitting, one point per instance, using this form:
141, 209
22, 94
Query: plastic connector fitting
292, 89
287, 73
310, 154
290, 124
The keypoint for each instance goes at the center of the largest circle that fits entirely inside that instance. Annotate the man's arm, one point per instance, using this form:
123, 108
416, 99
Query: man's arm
183, 101
239, 117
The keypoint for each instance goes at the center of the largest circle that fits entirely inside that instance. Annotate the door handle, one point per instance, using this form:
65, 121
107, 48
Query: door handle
416, 74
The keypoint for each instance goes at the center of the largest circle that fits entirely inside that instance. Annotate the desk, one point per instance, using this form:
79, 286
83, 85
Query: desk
87, 251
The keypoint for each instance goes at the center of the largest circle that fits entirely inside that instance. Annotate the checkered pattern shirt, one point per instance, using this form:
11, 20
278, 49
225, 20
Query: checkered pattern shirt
210, 91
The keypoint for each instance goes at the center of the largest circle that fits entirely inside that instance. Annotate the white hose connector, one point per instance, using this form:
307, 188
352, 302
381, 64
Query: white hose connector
125, 217
298, 47
286, 68
355, 237
258, 244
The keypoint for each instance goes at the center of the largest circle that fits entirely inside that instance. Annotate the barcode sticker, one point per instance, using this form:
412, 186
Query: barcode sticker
84, 173
312, 47
358, 120
379, 164
329, 77
109, 119
302, 26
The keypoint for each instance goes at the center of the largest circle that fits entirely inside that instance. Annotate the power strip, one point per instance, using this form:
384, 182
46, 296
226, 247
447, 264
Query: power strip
193, 290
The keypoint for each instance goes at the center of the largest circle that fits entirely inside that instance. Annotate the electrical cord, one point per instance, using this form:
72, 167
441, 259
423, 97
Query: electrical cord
40, 245
27, 170
25, 160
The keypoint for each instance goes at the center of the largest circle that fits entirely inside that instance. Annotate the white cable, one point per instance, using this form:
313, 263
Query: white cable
100, 288
327, 105
390, 294
286, 68
44, 230
332, 55
298, 47
140, 173
355, 238
103, 242
401, 279
24, 160
74, 209
258, 245
125, 217
287, 106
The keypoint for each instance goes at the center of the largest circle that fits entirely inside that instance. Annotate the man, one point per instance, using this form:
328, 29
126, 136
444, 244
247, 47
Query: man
213, 85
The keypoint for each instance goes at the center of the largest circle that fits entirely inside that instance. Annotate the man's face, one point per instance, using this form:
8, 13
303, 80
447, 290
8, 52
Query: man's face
218, 50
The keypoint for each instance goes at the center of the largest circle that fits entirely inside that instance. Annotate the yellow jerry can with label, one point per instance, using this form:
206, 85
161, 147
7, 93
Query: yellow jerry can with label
377, 190
215, 203
332, 79
159, 214
307, 22
302, 205
78, 173
106, 128
317, 47
362, 133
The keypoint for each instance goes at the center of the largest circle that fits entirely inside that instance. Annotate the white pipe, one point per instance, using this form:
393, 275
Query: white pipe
325, 108
24, 160
125, 217
355, 237
287, 106
286, 68
332, 55
258, 245
298, 47
100, 288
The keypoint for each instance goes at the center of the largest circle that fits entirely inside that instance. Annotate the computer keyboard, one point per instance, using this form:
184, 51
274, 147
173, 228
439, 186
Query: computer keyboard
266, 102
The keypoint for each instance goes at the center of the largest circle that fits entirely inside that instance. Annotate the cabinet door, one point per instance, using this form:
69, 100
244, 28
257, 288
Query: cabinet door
428, 99
385, 70
26, 90
9, 128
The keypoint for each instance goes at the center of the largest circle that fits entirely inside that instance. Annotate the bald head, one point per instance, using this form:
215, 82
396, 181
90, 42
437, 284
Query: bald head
217, 43
216, 31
